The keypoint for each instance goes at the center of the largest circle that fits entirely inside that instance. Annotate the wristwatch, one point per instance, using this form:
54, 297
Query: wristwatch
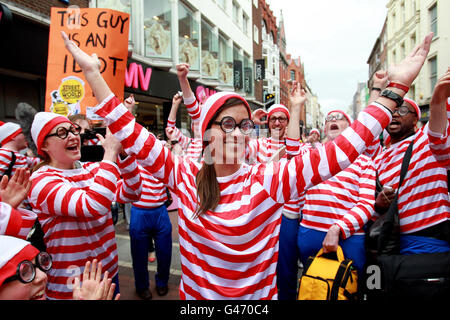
393, 96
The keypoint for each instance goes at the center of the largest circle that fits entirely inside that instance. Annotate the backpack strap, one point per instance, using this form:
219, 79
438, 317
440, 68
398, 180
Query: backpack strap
11, 165
338, 279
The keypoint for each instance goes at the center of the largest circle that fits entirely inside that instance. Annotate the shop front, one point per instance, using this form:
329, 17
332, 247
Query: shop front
153, 90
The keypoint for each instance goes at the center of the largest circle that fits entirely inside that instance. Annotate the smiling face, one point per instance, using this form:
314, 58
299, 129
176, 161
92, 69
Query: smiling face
278, 123
62, 152
228, 148
334, 127
16, 290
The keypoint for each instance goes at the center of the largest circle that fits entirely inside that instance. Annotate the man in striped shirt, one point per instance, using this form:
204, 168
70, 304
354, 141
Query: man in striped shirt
336, 210
423, 198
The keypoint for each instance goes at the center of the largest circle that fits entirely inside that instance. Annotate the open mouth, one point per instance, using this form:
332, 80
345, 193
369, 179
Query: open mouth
39, 295
334, 127
73, 148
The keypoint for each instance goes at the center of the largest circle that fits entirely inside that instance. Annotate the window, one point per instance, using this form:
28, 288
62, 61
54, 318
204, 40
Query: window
402, 51
188, 37
413, 40
245, 24
210, 52
433, 19
433, 71
235, 13
157, 29
292, 75
225, 61
221, 3
123, 5
255, 34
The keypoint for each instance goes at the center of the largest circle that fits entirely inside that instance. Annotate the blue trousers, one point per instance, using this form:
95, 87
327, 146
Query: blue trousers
146, 224
287, 267
410, 244
310, 242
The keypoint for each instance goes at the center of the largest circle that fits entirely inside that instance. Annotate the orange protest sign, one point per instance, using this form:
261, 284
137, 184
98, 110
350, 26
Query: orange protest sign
95, 30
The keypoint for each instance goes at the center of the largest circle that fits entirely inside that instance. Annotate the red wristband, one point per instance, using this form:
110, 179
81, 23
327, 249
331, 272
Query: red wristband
399, 86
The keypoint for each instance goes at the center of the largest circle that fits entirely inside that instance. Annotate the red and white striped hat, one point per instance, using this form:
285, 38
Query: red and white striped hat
12, 252
276, 108
415, 106
315, 130
213, 103
43, 123
8, 131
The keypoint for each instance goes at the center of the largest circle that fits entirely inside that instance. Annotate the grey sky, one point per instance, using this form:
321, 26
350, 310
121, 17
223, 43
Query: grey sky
334, 39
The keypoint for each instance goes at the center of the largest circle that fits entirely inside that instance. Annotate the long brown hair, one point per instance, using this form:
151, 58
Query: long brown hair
208, 190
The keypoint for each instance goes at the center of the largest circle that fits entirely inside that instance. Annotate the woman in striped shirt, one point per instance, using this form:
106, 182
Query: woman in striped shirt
73, 200
230, 212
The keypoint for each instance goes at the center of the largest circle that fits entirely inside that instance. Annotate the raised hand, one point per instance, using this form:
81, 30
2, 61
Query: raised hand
86, 62
297, 95
182, 70
407, 70
441, 90
16, 189
257, 115
130, 102
92, 287
170, 134
380, 79
177, 98
111, 145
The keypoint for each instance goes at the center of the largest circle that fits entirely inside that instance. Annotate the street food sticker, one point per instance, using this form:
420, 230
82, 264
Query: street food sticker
66, 100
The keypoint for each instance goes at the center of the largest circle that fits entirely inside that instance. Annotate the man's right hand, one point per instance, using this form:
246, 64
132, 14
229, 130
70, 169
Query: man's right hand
182, 70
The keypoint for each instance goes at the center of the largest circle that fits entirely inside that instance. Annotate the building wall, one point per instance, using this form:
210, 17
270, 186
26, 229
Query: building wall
408, 22
257, 46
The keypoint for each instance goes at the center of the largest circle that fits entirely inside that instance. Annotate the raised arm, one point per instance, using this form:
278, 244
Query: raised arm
379, 83
439, 127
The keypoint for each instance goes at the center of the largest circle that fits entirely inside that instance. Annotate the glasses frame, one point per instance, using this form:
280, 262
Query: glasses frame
240, 125
280, 119
74, 129
18, 276
403, 114
337, 116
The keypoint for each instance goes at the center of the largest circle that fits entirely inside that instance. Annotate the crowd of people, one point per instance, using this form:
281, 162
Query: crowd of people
250, 209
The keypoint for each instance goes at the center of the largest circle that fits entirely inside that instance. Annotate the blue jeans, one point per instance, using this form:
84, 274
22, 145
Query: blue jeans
310, 242
146, 224
417, 244
287, 267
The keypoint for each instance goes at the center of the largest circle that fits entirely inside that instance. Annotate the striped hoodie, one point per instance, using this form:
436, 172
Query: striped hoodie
74, 209
232, 252
21, 161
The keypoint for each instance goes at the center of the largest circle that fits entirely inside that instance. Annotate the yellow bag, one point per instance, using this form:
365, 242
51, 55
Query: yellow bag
326, 278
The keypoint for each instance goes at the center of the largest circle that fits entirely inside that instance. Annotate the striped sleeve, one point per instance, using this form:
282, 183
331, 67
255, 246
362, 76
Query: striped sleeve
440, 144
286, 180
183, 140
193, 108
52, 194
136, 140
360, 214
129, 188
5, 159
10, 220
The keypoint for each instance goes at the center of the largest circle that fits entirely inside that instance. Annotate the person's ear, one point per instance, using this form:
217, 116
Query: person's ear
44, 146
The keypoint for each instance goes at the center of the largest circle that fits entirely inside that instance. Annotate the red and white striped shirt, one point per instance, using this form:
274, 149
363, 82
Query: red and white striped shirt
21, 161
232, 252
74, 209
153, 191
346, 199
440, 144
423, 197
16, 222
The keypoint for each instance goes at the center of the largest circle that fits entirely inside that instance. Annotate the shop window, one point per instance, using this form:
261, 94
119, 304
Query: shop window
119, 5
225, 61
150, 116
188, 37
210, 52
157, 29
